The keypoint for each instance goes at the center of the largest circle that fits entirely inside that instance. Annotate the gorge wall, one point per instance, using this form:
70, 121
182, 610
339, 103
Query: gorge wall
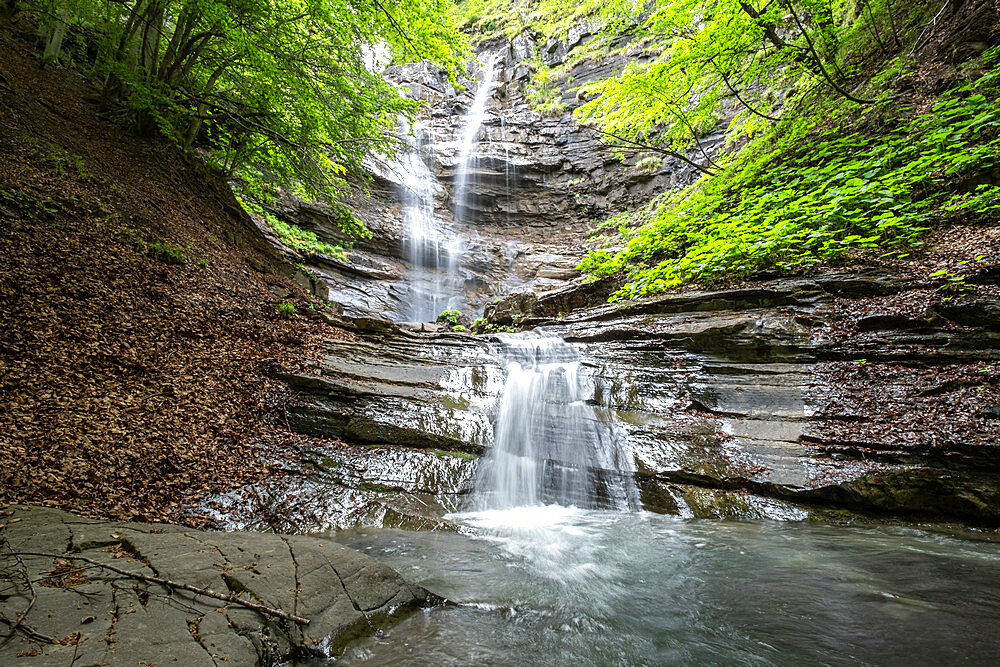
855, 390
535, 183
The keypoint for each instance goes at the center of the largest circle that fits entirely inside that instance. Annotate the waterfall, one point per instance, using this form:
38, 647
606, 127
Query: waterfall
434, 281
467, 157
551, 446
434, 284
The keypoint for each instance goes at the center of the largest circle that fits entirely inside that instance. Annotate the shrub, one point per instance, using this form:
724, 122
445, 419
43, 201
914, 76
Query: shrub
166, 253
868, 180
449, 316
286, 310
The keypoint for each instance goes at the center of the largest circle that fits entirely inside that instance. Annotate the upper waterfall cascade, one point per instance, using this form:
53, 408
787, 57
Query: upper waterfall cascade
467, 155
432, 252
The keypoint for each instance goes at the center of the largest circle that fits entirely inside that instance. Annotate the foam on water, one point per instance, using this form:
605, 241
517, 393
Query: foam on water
558, 542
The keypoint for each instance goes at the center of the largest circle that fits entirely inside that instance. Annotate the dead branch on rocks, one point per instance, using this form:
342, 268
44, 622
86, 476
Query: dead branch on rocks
232, 597
18, 624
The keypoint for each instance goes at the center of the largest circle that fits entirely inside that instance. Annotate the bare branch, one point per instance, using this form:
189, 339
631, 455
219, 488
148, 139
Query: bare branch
231, 598
657, 149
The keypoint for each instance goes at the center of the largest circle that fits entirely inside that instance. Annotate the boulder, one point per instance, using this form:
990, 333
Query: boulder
513, 309
100, 617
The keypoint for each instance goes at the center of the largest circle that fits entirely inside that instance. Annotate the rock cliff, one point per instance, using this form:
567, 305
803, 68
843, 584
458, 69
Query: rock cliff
806, 392
534, 184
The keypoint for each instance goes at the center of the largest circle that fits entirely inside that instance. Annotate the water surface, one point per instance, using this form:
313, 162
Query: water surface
553, 585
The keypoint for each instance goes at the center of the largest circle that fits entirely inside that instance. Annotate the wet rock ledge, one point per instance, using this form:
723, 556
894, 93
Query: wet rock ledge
123, 620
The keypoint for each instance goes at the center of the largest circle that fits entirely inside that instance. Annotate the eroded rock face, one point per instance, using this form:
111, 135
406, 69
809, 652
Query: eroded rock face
126, 621
534, 186
433, 391
791, 390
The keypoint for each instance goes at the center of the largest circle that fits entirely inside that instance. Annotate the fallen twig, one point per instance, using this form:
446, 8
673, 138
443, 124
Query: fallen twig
207, 592
18, 624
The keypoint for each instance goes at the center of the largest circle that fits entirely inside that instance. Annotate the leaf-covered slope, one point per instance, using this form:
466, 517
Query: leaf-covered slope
138, 313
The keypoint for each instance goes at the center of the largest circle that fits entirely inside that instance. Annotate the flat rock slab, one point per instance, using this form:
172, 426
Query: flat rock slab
100, 617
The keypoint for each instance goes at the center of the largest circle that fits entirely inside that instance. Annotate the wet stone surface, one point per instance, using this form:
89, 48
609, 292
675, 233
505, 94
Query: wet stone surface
102, 617
748, 391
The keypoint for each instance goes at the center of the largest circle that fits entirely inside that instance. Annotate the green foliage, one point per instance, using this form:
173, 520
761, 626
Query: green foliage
301, 239
449, 316
458, 327
488, 19
287, 310
982, 204
815, 189
480, 325
953, 282
309, 272
649, 164
285, 86
543, 92
293, 236
447, 454
166, 253
698, 54
60, 160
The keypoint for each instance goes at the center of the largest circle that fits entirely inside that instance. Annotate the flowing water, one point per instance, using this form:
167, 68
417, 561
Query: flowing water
551, 445
433, 254
466, 164
543, 573
551, 585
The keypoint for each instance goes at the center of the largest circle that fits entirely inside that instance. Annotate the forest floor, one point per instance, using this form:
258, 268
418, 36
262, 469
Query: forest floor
131, 385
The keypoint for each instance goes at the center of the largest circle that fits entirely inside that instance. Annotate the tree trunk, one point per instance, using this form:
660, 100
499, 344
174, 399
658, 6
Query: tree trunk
9, 9
53, 45
202, 109
150, 52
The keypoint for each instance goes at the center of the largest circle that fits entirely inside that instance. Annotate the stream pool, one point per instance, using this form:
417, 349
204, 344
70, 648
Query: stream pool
553, 585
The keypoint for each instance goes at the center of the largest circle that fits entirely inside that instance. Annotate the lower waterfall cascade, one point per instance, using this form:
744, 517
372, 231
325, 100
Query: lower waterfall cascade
551, 445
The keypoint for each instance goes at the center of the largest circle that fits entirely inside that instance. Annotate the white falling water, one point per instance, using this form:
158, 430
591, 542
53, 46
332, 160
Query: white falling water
434, 283
467, 154
551, 446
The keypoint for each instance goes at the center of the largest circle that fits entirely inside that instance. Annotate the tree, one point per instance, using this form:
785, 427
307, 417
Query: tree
708, 52
281, 89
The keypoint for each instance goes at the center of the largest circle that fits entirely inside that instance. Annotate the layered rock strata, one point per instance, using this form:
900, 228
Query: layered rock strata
801, 390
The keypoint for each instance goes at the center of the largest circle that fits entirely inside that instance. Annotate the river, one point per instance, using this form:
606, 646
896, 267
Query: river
552, 585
